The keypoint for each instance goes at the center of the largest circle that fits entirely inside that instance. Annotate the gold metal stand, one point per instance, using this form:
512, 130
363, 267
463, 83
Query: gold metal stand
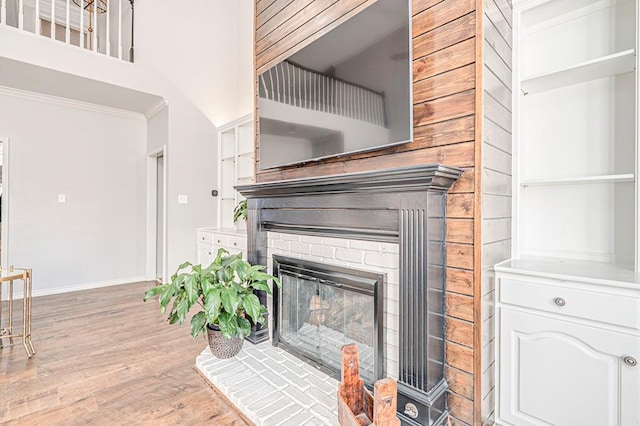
9, 276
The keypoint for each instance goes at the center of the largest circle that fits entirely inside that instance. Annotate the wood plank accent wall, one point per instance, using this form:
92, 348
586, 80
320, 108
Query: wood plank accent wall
496, 178
445, 77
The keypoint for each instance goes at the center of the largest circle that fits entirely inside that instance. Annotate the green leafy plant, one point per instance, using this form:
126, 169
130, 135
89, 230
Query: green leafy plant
223, 291
240, 212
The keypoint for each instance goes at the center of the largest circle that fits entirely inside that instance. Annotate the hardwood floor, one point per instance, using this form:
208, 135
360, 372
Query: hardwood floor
105, 357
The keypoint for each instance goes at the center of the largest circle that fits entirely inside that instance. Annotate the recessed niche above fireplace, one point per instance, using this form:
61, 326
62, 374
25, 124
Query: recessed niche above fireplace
321, 307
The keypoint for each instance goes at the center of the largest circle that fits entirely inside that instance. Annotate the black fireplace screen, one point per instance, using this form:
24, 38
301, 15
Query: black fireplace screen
322, 307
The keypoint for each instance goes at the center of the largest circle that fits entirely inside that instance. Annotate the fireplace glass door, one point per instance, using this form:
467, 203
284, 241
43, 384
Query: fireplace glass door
321, 308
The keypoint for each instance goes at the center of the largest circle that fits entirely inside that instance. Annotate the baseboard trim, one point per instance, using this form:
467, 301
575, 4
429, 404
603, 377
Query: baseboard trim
77, 287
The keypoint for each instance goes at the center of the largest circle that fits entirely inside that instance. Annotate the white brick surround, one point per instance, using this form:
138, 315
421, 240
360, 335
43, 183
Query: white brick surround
369, 256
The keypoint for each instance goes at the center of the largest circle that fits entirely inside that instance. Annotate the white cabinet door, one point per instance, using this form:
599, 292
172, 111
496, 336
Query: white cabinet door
205, 254
561, 373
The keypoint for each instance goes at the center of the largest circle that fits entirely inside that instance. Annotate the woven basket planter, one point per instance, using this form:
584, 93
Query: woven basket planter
220, 347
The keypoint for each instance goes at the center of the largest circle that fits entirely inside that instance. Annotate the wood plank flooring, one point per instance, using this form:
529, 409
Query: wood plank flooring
104, 357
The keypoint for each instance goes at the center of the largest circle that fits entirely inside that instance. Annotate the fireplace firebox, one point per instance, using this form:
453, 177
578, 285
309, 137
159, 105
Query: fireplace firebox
321, 307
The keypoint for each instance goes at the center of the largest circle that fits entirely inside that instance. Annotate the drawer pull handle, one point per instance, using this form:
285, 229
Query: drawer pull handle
218, 241
560, 301
235, 244
630, 361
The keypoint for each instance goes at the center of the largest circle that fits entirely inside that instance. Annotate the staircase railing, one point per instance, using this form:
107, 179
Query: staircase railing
101, 26
297, 86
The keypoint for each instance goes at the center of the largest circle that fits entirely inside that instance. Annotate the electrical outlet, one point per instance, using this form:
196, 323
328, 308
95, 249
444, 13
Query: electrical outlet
183, 199
62, 198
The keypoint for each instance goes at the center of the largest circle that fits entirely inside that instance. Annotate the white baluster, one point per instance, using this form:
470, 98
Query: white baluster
67, 28
277, 82
272, 95
304, 80
324, 93
108, 44
94, 33
119, 29
37, 17
81, 24
21, 14
330, 93
285, 85
287, 96
298, 82
372, 98
339, 97
53, 19
264, 86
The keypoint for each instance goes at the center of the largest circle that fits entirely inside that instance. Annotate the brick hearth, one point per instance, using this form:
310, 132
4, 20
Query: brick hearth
271, 387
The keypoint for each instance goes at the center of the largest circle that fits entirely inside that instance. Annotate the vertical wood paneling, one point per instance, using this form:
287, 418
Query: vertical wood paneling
445, 130
496, 180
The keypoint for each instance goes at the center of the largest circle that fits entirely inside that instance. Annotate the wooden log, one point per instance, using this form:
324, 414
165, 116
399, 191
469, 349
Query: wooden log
385, 402
356, 405
351, 385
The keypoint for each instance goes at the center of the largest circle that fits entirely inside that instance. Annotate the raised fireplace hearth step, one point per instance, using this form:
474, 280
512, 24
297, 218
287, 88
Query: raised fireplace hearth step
271, 387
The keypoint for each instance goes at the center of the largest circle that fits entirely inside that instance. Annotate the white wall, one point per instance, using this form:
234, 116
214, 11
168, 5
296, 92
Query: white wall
96, 160
192, 47
198, 57
244, 50
200, 63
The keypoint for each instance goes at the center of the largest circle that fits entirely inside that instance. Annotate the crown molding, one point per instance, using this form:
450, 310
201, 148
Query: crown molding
86, 106
151, 112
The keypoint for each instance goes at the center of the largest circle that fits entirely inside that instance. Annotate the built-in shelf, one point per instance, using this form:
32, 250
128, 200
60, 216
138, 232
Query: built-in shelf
553, 12
235, 166
580, 180
606, 66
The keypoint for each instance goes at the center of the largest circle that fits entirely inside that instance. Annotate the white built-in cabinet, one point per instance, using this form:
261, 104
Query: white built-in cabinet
210, 240
568, 303
575, 140
236, 162
568, 345
236, 167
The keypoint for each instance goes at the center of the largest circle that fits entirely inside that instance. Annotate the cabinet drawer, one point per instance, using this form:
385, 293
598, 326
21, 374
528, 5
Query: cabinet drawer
205, 237
220, 240
610, 308
237, 243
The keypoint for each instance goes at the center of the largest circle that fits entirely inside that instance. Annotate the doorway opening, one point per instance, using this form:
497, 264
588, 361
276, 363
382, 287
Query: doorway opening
157, 215
4, 201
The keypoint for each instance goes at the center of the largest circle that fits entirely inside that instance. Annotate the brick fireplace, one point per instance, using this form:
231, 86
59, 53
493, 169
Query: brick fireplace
345, 221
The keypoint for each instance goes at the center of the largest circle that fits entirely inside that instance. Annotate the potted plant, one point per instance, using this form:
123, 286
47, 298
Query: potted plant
224, 293
240, 212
